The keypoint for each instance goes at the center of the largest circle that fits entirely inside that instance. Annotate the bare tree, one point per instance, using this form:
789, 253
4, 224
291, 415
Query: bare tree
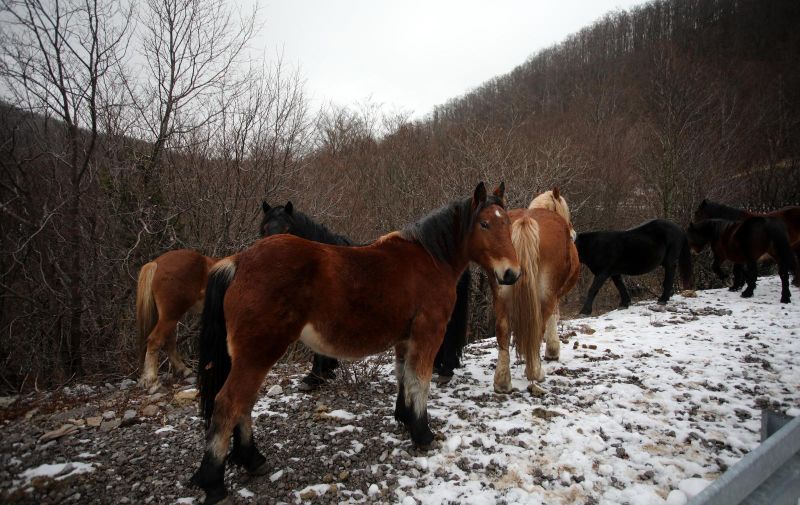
53, 60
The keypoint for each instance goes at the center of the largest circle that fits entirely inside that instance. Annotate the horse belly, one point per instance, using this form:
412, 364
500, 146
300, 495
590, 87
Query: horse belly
343, 348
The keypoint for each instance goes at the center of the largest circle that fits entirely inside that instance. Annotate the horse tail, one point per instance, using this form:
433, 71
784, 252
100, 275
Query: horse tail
685, 263
214, 364
146, 310
525, 312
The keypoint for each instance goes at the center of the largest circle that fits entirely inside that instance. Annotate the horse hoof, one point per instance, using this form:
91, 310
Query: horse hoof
224, 501
586, 312
662, 302
747, 294
261, 470
550, 358
443, 379
786, 300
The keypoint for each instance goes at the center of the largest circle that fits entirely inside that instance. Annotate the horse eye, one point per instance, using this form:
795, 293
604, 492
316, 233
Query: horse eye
485, 225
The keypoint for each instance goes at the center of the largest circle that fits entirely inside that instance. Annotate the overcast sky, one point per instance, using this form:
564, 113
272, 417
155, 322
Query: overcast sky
411, 55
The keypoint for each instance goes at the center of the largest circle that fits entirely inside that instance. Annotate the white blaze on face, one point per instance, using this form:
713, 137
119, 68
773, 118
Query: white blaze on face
497, 213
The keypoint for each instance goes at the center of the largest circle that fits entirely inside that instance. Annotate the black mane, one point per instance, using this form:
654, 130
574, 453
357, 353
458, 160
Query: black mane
307, 228
714, 210
442, 232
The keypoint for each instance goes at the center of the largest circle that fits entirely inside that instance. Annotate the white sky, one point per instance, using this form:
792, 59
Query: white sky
411, 55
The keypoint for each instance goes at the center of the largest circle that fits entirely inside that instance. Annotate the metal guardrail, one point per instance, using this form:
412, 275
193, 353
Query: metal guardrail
769, 475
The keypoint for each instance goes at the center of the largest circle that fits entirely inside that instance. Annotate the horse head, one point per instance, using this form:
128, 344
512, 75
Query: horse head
279, 219
489, 237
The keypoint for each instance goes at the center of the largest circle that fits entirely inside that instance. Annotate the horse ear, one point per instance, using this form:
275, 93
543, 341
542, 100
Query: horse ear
265, 206
500, 190
288, 208
479, 197
555, 193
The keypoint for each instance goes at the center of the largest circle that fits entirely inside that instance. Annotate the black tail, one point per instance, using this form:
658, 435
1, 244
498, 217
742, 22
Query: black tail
685, 264
215, 363
780, 241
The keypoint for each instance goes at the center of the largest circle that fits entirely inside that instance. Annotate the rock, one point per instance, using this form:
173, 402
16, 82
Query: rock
155, 397
109, 414
544, 414
186, 396
308, 494
373, 490
127, 383
275, 390
7, 401
94, 421
676, 497
150, 410
536, 390
110, 425
66, 429
129, 414
693, 487
344, 475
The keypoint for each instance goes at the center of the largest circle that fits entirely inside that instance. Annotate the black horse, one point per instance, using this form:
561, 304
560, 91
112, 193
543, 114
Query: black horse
635, 251
284, 219
744, 243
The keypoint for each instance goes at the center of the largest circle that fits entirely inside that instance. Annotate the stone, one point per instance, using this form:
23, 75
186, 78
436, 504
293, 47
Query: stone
186, 396
129, 414
110, 425
109, 414
150, 410
66, 429
94, 421
275, 390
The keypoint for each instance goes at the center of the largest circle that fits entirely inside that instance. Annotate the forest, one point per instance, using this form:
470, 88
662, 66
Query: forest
127, 132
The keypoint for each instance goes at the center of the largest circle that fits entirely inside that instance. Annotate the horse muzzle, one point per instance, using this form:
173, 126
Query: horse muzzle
509, 277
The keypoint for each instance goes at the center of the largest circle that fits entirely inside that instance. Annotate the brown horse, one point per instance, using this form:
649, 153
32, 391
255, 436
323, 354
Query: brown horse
169, 286
544, 243
790, 216
344, 302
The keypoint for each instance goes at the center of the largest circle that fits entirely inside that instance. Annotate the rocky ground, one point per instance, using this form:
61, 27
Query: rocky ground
646, 405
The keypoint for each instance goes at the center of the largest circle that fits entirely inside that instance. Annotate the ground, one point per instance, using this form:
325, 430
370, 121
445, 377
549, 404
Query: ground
647, 405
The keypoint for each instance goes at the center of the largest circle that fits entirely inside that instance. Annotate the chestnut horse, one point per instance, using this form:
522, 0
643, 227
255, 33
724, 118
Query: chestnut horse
168, 287
543, 241
345, 302
744, 243
790, 216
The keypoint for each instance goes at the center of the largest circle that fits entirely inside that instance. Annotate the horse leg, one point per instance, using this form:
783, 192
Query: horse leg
751, 273
402, 412
738, 278
597, 283
502, 372
235, 400
155, 341
244, 452
796, 280
417, 371
171, 346
783, 271
624, 297
552, 350
716, 267
321, 370
669, 283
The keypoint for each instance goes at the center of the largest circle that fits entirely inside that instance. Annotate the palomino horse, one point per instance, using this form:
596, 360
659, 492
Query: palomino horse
542, 239
635, 252
744, 243
168, 287
347, 302
790, 216
286, 219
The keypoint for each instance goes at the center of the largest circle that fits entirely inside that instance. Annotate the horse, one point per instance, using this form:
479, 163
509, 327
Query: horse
168, 287
543, 241
635, 251
744, 243
790, 216
285, 219
345, 302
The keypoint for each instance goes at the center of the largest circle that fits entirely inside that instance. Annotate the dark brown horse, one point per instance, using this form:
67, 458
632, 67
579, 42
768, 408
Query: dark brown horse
744, 243
345, 302
168, 287
789, 216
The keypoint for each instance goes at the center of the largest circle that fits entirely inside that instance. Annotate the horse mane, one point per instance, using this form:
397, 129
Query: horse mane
713, 228
443, 231
552, 200
307, 228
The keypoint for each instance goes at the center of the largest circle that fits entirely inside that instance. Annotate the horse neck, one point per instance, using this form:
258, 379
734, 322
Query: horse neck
722, 211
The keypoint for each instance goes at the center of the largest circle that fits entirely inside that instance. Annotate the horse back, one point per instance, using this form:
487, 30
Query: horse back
791, 219
180, 278
358, 298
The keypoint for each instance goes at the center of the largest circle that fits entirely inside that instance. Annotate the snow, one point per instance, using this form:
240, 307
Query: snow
59, 471
165, 429
647, 405
246, 493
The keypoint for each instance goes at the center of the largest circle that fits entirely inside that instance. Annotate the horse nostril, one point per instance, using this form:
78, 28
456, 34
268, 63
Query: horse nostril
510, 276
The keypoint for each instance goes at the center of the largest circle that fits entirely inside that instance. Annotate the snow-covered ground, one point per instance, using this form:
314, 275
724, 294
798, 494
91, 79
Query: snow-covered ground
646, 406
